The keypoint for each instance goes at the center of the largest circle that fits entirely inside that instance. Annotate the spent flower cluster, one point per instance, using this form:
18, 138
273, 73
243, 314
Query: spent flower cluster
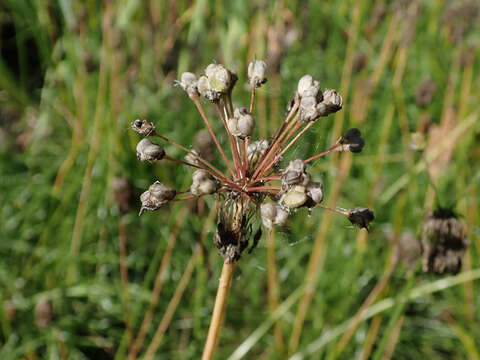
252, 180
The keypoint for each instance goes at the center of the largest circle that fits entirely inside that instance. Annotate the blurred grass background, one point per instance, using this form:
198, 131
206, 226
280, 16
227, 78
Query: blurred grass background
74, 74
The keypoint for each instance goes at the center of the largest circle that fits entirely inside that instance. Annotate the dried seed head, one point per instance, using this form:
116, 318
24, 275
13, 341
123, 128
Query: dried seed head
203, 183
295, 197
352, 141
273, 214
256, 73
142, 127
315, 192
332, 102
188, 82
156, 196
444, 241
360, 217
43, 313
148, 151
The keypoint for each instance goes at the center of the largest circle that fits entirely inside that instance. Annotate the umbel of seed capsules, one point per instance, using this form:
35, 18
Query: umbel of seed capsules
252, 178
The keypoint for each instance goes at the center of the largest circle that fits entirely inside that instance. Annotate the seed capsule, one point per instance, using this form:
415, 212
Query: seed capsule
148, 151
203, 183
156, 196
142, 127
295, 174
352, 141
315, 191
361, 217
256, 73
188, 82
295, 197
273, 214
332, 102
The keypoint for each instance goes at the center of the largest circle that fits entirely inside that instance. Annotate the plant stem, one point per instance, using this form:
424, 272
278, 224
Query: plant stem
218, 310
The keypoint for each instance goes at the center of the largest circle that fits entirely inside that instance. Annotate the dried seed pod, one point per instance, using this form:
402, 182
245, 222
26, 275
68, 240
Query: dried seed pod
444, 242
203, 183
256, 73
242, 124
331, 103
361, 217
305, 83
295, 197
149, 151
256, 150
192, 157
43, 313
352, 141
315, 192
220, 81
310, 95
156, 196
188, 82
142, 127
295, 174
273, 214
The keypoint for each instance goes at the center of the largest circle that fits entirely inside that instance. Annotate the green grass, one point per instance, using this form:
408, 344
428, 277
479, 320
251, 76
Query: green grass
76, 74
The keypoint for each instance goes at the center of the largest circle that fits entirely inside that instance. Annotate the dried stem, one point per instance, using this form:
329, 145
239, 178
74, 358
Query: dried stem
252, 99
273, 147
294, 140
202, 160
230, 136
218, 310
328, 151
207, 124
273, 289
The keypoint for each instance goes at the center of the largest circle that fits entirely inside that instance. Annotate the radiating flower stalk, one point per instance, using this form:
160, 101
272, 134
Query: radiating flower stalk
252, 180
